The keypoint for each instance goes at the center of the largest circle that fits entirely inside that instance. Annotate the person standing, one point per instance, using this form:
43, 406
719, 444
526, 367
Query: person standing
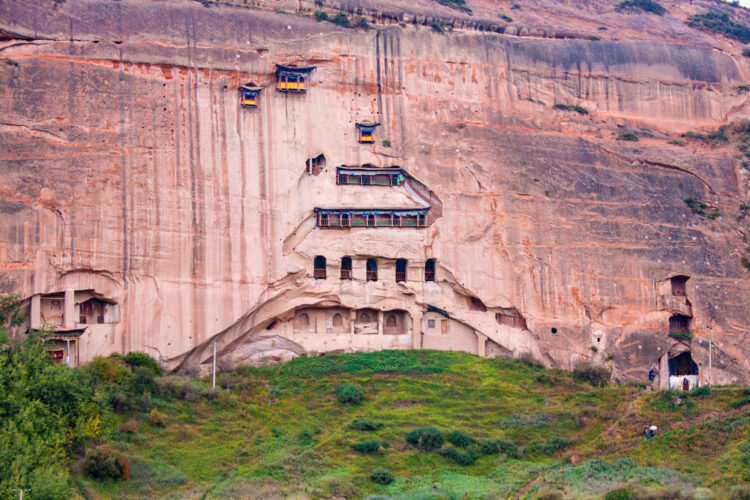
645, 432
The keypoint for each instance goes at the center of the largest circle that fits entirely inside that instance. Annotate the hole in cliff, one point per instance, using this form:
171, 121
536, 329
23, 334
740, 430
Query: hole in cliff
554, 330
315, 165
117, 42
678, 284
510, 316
598, 339
476, 304
272, 324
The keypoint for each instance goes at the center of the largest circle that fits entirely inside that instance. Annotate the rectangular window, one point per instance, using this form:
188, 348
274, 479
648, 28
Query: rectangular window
430, 323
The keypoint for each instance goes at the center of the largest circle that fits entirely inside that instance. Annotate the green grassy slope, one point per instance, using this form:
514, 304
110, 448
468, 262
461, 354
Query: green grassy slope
280, 431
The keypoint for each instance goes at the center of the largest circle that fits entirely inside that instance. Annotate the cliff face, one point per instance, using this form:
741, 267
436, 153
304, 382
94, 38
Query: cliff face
130, 171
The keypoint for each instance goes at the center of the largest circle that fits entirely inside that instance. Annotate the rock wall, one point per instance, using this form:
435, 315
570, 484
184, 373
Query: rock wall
130, 169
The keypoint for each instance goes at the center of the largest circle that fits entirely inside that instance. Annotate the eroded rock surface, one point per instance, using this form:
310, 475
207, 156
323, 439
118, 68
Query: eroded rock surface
131, 172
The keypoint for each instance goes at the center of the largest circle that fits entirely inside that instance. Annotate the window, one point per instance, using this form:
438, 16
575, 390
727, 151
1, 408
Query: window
371, 220
365, 180
315, 165
372, 270
401, 270
511, 317
430, 323
319, 273
337, 321
303, 321
421, 220
249, 95
323, 218
429, 270
679, 324
390, 321
346, 268
679, 285
345, 220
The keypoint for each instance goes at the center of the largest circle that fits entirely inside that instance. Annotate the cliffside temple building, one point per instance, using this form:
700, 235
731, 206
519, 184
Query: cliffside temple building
285, 187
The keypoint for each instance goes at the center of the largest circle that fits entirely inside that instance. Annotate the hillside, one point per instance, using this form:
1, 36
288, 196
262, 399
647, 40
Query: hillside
279, 431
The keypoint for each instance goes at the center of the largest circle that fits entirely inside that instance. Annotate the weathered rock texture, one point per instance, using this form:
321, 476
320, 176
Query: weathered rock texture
130, 170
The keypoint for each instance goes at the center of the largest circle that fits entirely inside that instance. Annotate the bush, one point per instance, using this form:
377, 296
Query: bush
741, 492
549, 495
362, 23
550, 447
703, 392
505, 18
746, 52
135, 359
349, 394
636, 6
381, 476
320, 15
596, 375
387, 143
741, 402
103, 464
365, 425
462, 457
130, 427
426, 438
578, 109
341, 20
493, 446
369, 447
157, 418
681, 335
121, 401
628, 136
719, 22
459, 439
175, 387
619, 494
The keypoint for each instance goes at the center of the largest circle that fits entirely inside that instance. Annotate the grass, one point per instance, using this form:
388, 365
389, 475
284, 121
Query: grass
701, 208
280, 431
628, 136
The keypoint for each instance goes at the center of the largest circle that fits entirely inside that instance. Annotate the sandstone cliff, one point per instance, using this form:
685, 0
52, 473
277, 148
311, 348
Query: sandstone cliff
130, 173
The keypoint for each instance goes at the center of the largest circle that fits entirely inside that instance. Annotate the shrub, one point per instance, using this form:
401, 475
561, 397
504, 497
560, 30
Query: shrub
677, 142
493, 446
305, 437
456, 4
320, 15
505, 18
703, 392
746, 52
121, 401
103, 464
143, 380
130, 427
135, 359
619, 494
596, 375
387, 143
381, 476
182, 388
739, 403
578, 109
362, 23
462, 457
526, 357
369, 447
365, 425
628, 136
681, 335
719, 22
550, 447
592, 38
459, 439
636, 6
341, 20
549, 495
426, 438
740, 492
349, 394
157, 418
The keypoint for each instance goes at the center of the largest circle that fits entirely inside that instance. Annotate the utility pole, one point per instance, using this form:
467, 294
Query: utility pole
20, 493
710, 362
213, 384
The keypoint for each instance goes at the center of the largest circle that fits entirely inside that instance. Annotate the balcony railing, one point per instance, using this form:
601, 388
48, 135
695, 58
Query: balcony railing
346, 274
319, 274
400, 275
372, 276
